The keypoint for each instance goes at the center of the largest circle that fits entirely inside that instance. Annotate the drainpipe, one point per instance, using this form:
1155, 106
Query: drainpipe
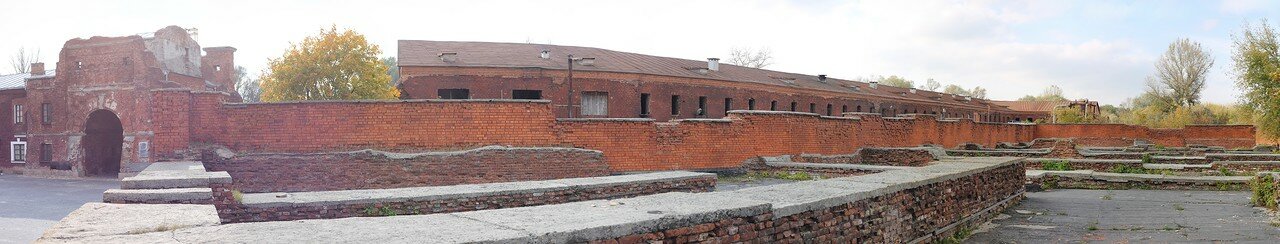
569, 79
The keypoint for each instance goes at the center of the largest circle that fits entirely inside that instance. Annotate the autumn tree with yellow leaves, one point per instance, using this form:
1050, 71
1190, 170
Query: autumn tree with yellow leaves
334, 65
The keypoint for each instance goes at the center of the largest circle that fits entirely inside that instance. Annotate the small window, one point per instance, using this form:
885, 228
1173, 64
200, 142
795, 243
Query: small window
793, 106
702, 106
773, 106
46, 152
644, 105
526, 94
79, 65
813, 108
675, 105
728, 105
859, 108
751, 104
18, 149
17, 113
46, 113
454, 93
828, 109
595, 103
844, 109
217, 68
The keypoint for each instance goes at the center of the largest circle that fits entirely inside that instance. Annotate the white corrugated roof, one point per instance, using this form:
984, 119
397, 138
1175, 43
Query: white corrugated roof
19, 80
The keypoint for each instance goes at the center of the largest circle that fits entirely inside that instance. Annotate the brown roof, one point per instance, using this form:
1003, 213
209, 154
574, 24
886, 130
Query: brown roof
1032, 106
524, 55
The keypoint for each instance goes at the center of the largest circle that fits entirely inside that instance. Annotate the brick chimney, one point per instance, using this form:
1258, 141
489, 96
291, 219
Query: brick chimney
37, 69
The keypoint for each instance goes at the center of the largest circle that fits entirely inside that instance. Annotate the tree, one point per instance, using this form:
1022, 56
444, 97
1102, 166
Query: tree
333, 65
22, 60
894, 80
250, 88
747, 57
1181, 73
978, 92
931, 85
1256, 57
1051, 93
954, 89
392, 69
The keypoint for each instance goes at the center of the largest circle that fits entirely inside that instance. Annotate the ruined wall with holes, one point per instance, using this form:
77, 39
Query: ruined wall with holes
119, 75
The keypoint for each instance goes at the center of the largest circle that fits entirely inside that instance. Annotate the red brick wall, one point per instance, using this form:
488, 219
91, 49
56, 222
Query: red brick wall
373, 170
1229, 136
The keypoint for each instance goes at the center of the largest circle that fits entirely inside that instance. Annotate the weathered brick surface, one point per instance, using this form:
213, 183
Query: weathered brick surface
233, 212
1052, 181
1114, 135
898, 217
372, 170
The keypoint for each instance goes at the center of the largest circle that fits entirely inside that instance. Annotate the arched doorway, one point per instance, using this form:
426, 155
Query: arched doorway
102, 142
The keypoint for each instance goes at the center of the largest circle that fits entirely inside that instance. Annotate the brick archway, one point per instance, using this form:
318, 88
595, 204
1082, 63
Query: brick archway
102, 143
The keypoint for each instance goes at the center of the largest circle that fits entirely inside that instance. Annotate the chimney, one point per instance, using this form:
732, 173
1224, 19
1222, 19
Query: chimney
587, 61
37, 69
873, 84
546, 54
448, 57
713, 64
822, 78
913, 90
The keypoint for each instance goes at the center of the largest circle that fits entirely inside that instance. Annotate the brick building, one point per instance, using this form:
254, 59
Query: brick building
607, 83
1043, 110
94, 116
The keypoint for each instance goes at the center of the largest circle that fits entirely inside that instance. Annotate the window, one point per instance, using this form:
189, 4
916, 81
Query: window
526, 94
675, 104
728, 105
813, 108
793, 106
751, 104
46, 113
828, 109
859, 108
595, 103
79, 65
17, 113
46, 152
773, 105
18, 151
844, 109
217, 68
454, 93
644, 105
702, 106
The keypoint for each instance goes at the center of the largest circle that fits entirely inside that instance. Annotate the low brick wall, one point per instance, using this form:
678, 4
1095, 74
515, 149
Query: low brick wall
259, 207
873, 156
369, 169
1114, 181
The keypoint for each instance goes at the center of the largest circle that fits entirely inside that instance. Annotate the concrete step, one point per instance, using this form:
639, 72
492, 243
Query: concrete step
174, 179
159, 196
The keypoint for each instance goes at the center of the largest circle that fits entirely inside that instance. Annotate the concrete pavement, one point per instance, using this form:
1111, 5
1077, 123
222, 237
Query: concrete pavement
30, 205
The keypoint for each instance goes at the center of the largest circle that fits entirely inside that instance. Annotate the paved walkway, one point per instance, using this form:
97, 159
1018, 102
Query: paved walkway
29, 205
1140, 216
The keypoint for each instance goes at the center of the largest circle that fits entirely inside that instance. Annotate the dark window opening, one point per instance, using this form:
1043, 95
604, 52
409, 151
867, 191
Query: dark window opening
46, 113
813, 108
751, 104
773, 106
644, 105
46, 152
844, 109
702, 106
793, 106
675, 104
728, 105
859, 108
526, 94
828, 109
454, 93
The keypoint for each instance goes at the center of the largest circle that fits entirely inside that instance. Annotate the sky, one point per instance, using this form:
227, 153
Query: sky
1100, 50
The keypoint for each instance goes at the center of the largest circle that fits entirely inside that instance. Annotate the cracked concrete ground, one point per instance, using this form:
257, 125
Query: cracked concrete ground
1142, 216
30, 205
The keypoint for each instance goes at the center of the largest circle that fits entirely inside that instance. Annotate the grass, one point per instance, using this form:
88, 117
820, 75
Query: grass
1126, 169
383, 211
237, 195
1264, 191
783, 175
958, 236
1055, 165
1092, 226
1108, 196
1178, 206
1226, 172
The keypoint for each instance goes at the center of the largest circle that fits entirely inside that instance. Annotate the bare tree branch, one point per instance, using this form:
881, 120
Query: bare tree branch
750, 58
1182, 72
22, 60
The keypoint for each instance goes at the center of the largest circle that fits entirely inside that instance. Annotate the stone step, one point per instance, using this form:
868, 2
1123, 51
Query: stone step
159, 196
174, 179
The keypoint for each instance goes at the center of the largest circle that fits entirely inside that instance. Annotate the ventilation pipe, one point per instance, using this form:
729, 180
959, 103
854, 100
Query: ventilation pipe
546, 54
713, 64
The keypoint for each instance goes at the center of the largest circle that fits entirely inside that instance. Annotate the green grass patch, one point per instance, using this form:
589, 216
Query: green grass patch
1126, 169
383, 211
1062, 165
1264, 191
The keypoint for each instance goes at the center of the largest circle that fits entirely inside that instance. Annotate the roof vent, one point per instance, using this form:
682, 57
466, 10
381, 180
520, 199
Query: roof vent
822, 78
873, 84
587, 61
913, 90
713, 64
448, 57
546, 54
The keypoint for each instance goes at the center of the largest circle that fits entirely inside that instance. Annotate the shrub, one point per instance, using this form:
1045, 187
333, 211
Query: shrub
1126, 169
1264, 191
1062, 165
1146, 158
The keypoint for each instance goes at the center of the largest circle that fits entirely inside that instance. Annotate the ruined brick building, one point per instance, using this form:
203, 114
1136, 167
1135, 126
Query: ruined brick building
93, 115
605, 83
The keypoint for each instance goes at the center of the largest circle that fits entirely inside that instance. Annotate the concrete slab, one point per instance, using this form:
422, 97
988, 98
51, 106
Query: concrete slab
174, 179
157, 195
106, 219
790, 199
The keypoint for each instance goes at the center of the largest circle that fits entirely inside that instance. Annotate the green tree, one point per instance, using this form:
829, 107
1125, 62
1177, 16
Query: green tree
894, 80
333, 65
249, 88
1051, 93
392, 69
1256, 57
1180, 73
954, 89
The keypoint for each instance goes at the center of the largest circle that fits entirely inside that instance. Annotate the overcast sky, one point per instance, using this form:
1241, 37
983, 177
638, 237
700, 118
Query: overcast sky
1101, 50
